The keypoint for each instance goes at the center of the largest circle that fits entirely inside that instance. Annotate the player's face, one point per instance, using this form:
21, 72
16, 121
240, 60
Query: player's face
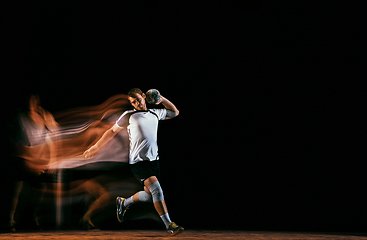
138, 102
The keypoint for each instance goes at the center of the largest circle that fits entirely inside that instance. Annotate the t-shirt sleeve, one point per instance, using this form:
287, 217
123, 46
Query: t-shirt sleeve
123, 120
161, 113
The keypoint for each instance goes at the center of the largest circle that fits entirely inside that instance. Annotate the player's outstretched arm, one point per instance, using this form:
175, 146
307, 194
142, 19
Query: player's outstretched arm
172, 110
106, 137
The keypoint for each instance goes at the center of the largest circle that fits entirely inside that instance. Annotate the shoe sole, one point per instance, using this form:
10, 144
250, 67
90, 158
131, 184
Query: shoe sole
117, 212
118, 219
177, 232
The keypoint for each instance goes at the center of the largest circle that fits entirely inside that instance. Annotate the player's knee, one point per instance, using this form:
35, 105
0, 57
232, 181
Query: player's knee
156, 191
144, 197
150, 180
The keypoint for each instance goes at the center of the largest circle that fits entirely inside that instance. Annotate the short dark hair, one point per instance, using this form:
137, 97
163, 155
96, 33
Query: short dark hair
134, 91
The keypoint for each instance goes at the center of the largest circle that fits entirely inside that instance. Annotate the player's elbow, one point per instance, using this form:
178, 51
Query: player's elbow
115, 128
172, 113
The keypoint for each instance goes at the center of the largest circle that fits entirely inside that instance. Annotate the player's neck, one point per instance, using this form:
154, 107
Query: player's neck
142, 109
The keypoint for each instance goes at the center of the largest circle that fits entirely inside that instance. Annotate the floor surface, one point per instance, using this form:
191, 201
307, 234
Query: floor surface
189, 234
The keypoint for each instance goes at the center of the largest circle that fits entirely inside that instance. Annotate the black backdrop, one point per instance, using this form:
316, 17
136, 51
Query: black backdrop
268, 134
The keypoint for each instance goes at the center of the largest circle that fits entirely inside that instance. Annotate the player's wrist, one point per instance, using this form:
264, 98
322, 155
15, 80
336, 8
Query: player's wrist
161, 100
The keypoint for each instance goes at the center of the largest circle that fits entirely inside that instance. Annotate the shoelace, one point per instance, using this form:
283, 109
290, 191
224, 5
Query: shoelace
174, 225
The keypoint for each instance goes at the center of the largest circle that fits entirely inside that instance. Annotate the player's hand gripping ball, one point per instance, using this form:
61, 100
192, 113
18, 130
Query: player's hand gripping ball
153, 96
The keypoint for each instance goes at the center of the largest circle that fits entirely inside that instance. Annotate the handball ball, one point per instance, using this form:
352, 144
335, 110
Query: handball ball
153, 96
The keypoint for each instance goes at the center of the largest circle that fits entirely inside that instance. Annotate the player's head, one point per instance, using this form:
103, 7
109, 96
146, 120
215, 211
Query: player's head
137, 99
36, 112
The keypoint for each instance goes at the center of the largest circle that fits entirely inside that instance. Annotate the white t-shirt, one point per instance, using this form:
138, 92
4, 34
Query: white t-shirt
33, 134
142, 127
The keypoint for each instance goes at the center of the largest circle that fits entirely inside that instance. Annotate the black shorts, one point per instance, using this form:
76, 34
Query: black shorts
145, 169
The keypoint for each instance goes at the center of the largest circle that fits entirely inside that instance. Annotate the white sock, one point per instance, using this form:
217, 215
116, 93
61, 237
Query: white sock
165, 218
128, 201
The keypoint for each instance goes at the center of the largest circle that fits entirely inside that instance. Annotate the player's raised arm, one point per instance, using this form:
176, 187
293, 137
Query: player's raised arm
106, 137
172, 110
154, 97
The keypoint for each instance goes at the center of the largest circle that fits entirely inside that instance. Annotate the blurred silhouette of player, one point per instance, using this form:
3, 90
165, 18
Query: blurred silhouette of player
142, 126
40, 144
36, 127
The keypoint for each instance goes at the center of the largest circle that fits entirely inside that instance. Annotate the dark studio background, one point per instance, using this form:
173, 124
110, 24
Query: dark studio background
268, 135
